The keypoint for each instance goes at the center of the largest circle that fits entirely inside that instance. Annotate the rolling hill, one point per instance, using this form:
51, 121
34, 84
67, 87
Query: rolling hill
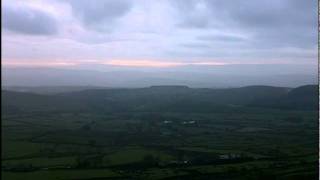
163, 98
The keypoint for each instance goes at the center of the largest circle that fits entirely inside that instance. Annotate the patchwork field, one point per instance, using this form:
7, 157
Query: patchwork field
228, 142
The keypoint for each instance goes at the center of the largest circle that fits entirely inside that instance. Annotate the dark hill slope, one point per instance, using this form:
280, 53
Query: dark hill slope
301, 98
163, 98
172, 98
27, 102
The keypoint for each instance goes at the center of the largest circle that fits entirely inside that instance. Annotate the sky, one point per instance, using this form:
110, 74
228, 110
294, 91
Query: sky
164, 33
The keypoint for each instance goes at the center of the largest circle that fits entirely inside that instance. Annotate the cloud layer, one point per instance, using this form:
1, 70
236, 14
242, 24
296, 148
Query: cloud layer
178, 32
27, 20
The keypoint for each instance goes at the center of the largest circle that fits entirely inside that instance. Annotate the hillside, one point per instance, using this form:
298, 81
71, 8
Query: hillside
301, 98
13, 102
164, 98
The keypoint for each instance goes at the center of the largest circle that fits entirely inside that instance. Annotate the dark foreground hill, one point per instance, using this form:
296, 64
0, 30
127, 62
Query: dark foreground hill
301, 98
164, 98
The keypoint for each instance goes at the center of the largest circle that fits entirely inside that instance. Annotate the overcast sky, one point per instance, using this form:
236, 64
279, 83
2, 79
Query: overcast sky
158, 33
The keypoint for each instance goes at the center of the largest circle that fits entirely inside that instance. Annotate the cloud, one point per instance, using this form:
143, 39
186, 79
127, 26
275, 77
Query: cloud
28, 20
221, 37
166, 30
197, 16
195, 45
279, 23
99, 15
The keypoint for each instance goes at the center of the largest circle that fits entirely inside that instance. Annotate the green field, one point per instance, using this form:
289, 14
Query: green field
227, 142
217, 144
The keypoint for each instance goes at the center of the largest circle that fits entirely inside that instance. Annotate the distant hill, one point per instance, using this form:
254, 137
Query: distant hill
302, 98
28, 102
193, 76
49, 89
163, 98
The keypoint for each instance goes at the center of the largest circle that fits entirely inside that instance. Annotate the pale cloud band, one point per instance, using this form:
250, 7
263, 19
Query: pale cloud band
159, 34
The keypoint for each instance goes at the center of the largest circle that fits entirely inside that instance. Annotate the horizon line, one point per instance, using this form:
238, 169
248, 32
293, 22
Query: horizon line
132, 63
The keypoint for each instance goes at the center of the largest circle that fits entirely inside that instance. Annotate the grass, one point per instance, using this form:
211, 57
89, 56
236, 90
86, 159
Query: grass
43, 161
18, 148
60, 174
66, 142
135, 154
